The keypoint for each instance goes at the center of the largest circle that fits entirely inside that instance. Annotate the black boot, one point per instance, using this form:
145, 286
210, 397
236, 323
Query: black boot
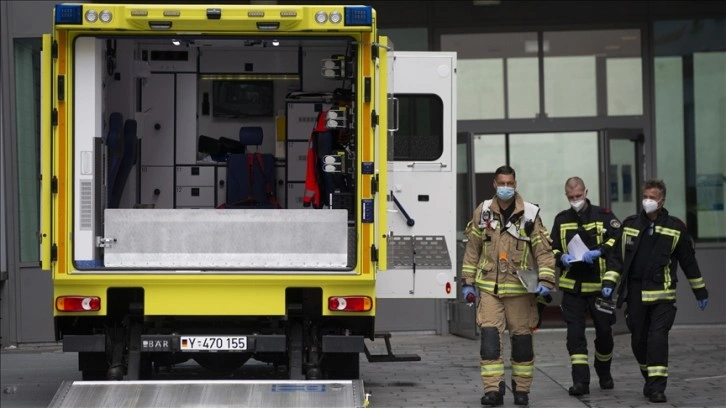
607, 383
492, 399
657, 396
578, 389
521, 398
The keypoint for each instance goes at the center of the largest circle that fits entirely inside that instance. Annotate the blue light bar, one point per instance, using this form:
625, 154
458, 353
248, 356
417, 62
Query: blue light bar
68, 14
358, 16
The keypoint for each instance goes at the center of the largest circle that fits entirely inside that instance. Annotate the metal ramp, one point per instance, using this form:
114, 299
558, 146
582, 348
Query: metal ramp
200, 393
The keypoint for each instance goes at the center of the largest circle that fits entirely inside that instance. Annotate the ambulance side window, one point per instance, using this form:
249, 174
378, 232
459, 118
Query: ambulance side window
420, 135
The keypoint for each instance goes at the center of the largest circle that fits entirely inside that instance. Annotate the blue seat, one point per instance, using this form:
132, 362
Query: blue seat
251, 177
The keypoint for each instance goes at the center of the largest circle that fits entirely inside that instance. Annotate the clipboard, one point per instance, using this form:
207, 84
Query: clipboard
529, 279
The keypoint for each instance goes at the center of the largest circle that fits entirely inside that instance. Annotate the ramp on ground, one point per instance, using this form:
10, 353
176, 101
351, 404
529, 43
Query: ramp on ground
190, 393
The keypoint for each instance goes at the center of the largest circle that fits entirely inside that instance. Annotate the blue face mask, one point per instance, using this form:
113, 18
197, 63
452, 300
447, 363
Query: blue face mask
505, 193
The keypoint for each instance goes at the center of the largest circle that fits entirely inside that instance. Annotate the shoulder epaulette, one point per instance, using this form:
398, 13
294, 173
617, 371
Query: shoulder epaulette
631, 217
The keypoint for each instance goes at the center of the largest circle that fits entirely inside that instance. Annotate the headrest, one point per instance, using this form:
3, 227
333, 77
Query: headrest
250, 135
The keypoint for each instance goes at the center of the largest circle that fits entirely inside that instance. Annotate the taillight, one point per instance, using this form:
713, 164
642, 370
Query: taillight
78, 303
350, 303
448, 287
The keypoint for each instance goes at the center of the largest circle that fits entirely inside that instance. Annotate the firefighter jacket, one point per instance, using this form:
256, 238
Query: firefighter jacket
522, 239
673, 244
598, 228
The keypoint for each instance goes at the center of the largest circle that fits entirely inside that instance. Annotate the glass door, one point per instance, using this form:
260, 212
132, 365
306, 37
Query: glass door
621, 160
609, 161
463, 315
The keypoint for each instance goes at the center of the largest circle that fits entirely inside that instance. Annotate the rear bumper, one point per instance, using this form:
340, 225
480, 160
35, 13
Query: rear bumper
153, 343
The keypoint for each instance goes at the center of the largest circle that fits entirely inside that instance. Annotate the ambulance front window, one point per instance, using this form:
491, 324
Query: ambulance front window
420, 135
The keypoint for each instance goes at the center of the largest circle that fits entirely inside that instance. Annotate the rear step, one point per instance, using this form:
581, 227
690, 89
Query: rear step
197, 393
389, 357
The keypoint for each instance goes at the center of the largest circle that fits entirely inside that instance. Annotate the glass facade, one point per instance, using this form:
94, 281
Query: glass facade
27, 119
690, 101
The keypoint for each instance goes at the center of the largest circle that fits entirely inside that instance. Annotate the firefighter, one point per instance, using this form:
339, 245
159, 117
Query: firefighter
581, 282
645, 265
506, 234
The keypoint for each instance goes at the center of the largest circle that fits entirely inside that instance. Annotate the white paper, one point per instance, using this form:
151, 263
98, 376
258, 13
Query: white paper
576, 248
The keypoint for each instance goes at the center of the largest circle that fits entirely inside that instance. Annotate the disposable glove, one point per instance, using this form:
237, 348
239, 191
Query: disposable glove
607, 292
702, 303
590, 256
566, 259
542, 290
469, 293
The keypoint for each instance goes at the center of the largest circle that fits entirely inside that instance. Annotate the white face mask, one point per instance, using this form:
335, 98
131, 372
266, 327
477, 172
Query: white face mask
577, 205
649, 205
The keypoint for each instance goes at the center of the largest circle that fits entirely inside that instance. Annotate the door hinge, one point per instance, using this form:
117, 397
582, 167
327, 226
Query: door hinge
374, 51
53, 253
54, 49
374, 253
374, 118
374, 184
61, 87
54, 185
54, 117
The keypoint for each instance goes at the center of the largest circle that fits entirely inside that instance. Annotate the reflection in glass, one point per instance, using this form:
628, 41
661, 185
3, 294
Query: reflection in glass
544, 161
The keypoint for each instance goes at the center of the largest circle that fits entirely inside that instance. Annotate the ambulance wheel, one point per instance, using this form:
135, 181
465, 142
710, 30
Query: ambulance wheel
343, 366
222, 363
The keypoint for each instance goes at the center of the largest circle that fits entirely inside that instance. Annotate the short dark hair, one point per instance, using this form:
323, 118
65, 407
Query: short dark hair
505, 170
655, 183
574, 182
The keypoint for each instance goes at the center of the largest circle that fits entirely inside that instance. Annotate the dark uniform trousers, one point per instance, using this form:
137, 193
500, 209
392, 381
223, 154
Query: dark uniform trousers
649, 326
574, 310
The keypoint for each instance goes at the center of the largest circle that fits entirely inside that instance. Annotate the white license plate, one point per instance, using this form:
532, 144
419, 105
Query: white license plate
213, 343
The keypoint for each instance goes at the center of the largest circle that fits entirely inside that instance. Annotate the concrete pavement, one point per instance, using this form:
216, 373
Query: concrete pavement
448, 374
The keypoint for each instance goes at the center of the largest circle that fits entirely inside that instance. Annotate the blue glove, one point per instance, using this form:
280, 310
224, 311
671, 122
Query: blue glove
607, 292
566, 259
469, 294
542, 290
702, 303
590, 256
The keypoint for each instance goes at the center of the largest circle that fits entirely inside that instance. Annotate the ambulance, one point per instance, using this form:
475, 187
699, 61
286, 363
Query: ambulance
226, 183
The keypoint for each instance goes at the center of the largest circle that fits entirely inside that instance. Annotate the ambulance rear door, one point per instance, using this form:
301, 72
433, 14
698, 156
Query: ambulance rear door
421, 196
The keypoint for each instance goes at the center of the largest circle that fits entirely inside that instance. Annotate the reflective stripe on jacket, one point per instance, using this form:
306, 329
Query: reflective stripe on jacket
599, 228
673, 246
520, 236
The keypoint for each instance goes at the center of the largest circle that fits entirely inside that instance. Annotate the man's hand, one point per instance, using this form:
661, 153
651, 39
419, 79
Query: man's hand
703, 303
607, 292
542, 290
469, 294
566, 259
590, 256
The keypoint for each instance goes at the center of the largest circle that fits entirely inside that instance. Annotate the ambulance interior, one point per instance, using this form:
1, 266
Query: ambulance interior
194, 154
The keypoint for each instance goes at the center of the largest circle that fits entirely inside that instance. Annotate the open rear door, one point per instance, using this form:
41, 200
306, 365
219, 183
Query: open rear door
46, 76
421, 177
